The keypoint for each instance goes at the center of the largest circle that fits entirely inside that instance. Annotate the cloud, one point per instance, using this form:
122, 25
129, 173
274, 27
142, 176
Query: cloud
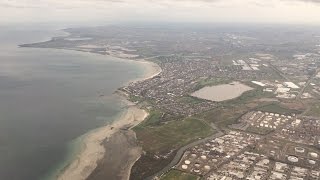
314, 1
80, 3
161, 10
98, 3
303, 1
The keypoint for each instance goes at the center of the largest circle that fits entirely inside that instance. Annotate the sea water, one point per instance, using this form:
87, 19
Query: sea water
49, 99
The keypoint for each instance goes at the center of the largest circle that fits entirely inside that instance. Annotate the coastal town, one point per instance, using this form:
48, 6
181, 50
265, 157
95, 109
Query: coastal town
226, 105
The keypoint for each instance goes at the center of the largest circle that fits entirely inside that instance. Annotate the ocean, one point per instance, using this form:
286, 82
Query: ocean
49, 99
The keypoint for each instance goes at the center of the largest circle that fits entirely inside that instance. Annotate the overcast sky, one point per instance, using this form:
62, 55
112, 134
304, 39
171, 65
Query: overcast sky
109, 11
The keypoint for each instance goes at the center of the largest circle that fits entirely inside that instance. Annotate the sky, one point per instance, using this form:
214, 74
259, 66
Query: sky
114, 11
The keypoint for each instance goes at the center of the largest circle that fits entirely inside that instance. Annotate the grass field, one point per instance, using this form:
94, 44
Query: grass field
247, 97
229, 111
223, 117
178, 175
211, 82
190, 100
171, 135
133, 98
276, 108
153, 119
314, 110
164, 140
261, 131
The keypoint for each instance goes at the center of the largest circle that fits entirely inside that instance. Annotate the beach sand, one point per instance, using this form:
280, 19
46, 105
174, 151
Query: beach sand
109, 145
123, 153
94, 150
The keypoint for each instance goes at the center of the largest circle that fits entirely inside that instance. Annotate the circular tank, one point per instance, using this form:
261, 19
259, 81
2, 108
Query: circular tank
314, 155
312, 162
299, 149
184, 166
293, 159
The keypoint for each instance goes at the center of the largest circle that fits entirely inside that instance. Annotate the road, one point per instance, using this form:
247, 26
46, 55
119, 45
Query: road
307, 83
180, 153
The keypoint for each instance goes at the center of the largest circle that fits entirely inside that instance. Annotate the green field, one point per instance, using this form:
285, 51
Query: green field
165, 139
190, 100
134, 98
153, 119
276, 108
178, 175
230, 111
223, 117
247, 97
211, 82
314, 110
171, 135
260, 130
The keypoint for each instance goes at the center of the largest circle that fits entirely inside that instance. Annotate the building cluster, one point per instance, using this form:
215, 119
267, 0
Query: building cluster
180, 76
242, 166
264, 120
315, 86
288, 152
283, 90
300, 77
303, 70
177, 79
300, 66
211, 154
255, 166
249, 65
305, 130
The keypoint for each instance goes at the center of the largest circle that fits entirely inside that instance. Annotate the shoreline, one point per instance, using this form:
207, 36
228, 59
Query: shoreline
93, 148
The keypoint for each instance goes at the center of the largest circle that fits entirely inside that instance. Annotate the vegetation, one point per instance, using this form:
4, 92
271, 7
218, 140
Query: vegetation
153, 119
260, 130
277, 108
190, 100
171, 135
230, 111
133, 98
148, 165
161, 142
314, 110
248, 96
211, 82
224, 116
178, 175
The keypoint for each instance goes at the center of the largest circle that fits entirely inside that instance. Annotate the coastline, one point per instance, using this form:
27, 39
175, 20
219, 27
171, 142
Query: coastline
93, 144
152, 69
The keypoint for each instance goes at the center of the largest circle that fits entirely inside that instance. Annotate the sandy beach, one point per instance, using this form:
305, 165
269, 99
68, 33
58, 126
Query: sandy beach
99, 141
119, 159
151, 69
94, 150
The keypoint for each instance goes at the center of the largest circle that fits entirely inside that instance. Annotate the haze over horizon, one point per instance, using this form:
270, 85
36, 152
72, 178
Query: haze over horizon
115, 11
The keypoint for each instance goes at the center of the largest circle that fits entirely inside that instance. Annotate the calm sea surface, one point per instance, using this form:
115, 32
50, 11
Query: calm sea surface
49, 98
